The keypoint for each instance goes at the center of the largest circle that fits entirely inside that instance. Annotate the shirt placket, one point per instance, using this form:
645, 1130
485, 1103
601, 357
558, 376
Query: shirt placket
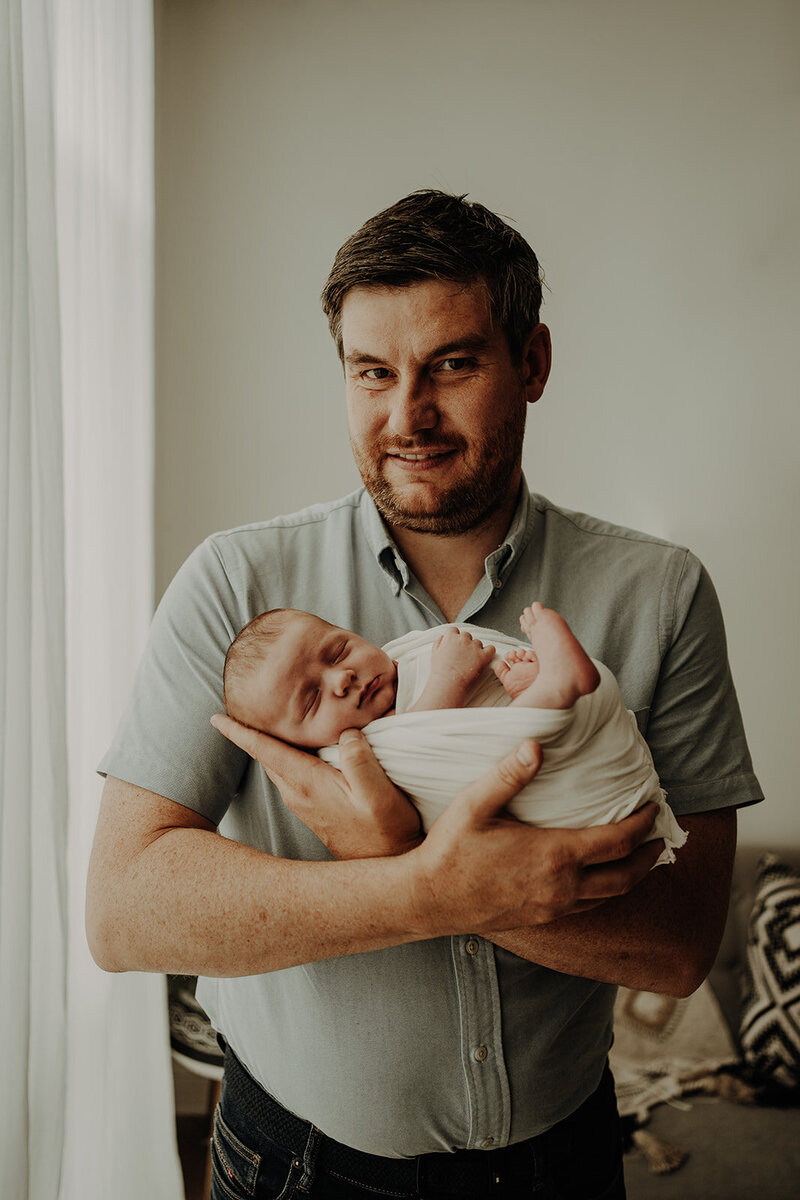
482, 1043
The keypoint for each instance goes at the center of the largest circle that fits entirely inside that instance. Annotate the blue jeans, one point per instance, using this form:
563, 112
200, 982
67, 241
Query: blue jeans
260, 1152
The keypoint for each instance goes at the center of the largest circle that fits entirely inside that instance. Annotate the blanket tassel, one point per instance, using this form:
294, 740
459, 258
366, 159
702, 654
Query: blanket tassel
662, 1157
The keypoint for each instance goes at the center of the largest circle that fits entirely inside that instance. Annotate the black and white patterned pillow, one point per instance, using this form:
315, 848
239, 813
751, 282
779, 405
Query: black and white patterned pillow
770, 1025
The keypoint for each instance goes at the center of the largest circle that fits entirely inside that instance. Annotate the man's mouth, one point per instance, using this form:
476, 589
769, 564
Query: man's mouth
414, 456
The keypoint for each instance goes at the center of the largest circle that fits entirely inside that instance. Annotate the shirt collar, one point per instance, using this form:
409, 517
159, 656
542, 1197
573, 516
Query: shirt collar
498, 564
382, 544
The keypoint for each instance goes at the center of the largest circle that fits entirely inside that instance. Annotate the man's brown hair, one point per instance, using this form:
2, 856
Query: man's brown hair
435, 235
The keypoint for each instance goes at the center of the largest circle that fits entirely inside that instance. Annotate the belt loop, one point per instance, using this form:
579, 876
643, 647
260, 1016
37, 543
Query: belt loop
418, 1177
422, 1178
306, 1180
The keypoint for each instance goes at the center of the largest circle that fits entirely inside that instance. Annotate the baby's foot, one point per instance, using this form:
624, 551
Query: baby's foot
565, 671
517, 671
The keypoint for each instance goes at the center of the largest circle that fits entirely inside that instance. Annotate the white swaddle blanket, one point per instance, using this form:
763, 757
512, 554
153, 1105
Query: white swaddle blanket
596, 766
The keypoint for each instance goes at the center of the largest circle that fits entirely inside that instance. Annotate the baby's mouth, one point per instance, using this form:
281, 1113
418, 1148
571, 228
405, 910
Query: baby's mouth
368, 690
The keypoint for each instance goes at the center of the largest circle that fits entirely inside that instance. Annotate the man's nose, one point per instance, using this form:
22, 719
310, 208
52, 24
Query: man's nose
412, 407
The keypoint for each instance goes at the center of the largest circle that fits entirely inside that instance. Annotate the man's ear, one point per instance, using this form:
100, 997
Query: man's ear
536, 360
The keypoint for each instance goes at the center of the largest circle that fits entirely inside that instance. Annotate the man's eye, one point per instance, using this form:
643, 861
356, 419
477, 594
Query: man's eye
339, 652
456, 364
377, 374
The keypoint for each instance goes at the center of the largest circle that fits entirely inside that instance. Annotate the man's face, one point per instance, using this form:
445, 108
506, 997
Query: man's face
436, 407
317, 680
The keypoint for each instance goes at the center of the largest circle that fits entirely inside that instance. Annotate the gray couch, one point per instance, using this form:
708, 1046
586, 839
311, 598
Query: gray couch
735, 1152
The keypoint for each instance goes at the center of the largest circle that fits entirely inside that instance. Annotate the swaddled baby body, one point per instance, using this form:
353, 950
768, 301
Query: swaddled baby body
297, 677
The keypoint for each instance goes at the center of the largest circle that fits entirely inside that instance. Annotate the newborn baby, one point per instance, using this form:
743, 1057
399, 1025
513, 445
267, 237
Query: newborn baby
293, 675
297, 677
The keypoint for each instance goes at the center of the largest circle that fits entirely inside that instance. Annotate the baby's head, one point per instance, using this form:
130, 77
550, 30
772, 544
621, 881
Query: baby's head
293, 675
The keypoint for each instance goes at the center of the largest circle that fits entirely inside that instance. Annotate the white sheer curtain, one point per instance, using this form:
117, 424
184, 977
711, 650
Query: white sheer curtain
86, 1102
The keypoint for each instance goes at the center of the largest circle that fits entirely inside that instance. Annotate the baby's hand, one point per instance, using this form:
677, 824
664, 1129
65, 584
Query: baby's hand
460, 658
457, 660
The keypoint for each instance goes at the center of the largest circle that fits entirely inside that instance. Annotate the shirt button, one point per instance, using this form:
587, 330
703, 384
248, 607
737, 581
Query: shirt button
498, 583
472, 946
481, 1053
487, 1143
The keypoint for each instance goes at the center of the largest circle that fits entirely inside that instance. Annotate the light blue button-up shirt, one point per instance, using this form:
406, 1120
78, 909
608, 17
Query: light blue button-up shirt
450, 1043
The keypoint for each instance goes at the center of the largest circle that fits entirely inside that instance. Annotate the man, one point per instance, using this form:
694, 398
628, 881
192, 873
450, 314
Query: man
419, 1018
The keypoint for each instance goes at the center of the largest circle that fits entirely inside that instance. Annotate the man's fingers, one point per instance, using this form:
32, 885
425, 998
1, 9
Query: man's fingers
283, 763
606, 843
241, 735
616, 879
359, 765
487, 795
373, 792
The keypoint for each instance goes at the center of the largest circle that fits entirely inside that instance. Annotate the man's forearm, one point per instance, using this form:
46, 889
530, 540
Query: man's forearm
208, 906
662, 937
191, 901
168, 893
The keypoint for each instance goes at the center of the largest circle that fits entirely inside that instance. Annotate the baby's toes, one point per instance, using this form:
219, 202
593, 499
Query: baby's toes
528, 618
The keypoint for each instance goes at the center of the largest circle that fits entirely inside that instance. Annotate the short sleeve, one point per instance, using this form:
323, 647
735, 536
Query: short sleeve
695, 730
164, 741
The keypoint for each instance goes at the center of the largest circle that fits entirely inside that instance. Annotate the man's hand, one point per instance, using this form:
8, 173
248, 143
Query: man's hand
356, 811
480, 869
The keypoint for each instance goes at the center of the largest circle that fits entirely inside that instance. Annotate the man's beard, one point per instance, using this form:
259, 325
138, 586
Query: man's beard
465, 505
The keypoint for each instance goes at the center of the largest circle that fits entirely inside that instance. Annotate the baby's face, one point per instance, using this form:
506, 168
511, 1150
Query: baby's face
318, 680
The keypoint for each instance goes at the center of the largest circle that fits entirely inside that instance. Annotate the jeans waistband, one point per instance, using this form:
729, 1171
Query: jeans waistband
468, 1173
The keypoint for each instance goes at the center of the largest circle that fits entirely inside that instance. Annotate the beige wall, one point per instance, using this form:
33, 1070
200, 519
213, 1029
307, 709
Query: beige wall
647, 150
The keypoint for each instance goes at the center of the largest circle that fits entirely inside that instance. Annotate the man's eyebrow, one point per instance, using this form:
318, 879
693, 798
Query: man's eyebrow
473, 343
358, 357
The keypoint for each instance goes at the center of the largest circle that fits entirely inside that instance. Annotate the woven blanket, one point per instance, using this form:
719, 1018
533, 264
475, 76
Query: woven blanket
662, 1046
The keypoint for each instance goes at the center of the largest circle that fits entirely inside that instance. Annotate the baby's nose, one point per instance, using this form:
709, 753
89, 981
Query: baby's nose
344, 681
